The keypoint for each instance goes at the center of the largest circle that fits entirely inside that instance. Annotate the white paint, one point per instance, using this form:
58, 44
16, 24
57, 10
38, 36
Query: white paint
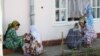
17, 10
1, 53
97, 26
44, 21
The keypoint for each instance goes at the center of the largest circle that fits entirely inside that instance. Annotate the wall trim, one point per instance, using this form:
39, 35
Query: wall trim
98, 35
51, 42
57, 42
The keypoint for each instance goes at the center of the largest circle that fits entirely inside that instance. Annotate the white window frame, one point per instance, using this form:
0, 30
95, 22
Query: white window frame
70, 22
95, 19
62, 23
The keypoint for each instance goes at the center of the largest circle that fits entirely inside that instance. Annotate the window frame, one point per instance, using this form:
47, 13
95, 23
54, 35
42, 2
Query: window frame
95, 19
66, 22
62, 23
61, 9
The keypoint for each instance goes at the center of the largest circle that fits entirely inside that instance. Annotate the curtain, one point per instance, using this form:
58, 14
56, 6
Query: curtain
76, 8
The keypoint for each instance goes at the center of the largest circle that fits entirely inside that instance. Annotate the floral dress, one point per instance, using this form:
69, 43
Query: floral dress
89, 29
89, 34
89, 20
13, 41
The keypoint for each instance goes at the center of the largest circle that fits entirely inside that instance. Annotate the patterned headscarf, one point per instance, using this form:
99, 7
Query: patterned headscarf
13, 24
35, 33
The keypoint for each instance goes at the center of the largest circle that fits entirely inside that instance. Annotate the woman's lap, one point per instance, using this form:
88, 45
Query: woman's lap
13, 44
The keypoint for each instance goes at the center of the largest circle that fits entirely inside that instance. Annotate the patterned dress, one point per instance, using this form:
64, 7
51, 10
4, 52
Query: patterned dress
13, 41
89, 20
89, 35
89, 29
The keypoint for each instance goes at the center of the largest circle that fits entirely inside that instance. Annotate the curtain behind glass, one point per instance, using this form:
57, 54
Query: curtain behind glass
76, 8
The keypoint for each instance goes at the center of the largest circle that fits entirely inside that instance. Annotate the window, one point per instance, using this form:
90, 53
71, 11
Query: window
72, 10
66, 10
96, 8
60, 10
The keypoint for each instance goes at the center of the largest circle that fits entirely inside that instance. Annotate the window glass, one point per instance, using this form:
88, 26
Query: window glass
63, 15
98, 3
57, 3
98, 12
63, 3
94, 12
94, 3
57, 15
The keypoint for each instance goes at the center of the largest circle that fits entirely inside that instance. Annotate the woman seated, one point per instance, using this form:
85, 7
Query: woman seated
86, 23
33, 45
11, 39
88, 33
30, 45
73, 37
34, 32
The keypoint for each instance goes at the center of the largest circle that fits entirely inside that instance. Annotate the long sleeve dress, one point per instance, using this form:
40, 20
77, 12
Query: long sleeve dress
89, 35
72, 38
37, 36
89, 20
89, 29
13, 41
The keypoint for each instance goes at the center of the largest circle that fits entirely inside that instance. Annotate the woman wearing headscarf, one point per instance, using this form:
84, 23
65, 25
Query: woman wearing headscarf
11, 39
73, 37
87, 24
34, 32
88, 33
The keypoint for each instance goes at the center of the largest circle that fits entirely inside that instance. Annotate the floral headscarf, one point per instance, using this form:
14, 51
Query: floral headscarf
35, 33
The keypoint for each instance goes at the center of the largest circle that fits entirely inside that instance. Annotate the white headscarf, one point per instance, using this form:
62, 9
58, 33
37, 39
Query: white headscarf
35, 33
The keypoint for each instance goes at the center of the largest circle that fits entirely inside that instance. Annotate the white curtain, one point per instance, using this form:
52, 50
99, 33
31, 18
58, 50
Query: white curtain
76, 7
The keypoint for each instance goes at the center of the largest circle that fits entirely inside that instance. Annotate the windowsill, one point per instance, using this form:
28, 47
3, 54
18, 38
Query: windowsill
65, 23
68, 23
97, 20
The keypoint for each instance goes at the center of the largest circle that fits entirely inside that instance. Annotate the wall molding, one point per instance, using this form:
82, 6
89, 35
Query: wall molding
98, 35
57, 42
51, 42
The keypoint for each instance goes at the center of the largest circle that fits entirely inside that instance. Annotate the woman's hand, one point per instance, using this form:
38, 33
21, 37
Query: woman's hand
24, 35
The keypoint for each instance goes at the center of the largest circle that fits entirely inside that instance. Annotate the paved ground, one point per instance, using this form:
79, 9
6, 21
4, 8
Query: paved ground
55, 50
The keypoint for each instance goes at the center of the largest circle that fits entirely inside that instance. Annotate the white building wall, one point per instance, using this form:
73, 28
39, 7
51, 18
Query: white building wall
17, 10
97, 26
44, 21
